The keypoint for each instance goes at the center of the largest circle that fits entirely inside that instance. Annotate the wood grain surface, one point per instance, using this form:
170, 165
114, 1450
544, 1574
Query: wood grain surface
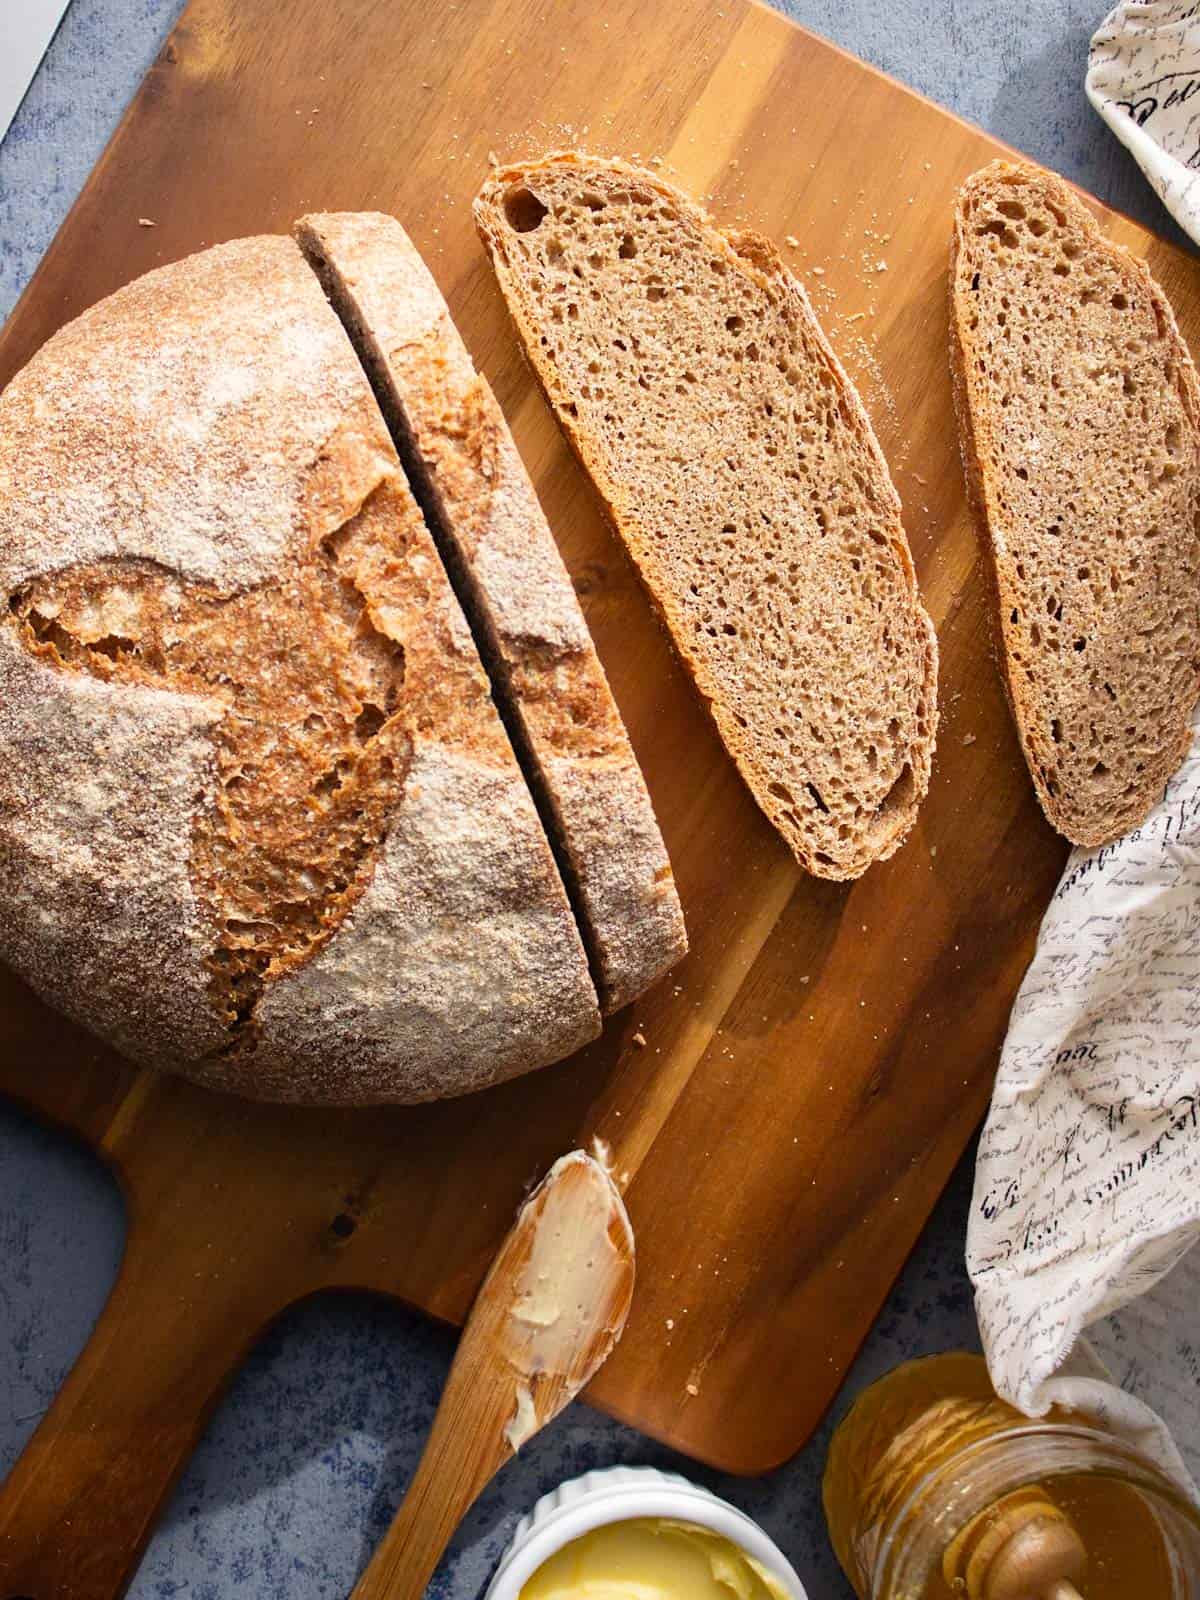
810, 1074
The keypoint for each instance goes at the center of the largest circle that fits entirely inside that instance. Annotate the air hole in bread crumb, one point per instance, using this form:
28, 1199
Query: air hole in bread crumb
735, 324
523, 210
628, 248
368, 722
900, 796
1006, 235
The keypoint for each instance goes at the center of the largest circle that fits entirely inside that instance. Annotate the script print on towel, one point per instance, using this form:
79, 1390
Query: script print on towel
1087, 1187
1144, 79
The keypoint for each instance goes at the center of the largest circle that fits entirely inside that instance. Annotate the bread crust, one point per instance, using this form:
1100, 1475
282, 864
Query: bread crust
757, 259
1088, 819
494, 535
211, 420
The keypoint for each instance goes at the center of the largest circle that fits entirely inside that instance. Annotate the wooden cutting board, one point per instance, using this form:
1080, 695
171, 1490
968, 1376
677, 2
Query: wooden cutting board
787, 1106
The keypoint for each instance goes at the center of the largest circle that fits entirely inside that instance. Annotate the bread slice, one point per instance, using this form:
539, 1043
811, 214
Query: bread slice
485, 516
690, 374
259, 821
1079, 416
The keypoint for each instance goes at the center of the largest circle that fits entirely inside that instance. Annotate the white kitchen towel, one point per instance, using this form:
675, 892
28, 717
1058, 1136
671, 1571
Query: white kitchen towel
1144, 79
1087, 1184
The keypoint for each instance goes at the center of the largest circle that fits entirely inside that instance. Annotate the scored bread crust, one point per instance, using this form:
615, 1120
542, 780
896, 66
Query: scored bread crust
1098, 745
853, 838
208, 423
465, 468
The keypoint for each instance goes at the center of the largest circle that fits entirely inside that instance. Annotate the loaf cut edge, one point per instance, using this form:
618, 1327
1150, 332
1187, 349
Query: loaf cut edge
488, 525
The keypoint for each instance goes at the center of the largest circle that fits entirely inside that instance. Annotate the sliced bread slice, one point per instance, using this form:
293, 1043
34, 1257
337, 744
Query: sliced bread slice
1079, 416
690, 374
490, 528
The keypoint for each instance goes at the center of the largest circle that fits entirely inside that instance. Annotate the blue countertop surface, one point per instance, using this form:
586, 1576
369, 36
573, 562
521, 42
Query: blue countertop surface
311, 1449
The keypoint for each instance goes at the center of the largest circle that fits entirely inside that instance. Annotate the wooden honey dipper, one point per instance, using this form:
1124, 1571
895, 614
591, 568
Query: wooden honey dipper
1022, 1548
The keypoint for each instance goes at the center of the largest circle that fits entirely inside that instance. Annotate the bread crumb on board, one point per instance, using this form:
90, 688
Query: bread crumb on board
639, 1040
145, 222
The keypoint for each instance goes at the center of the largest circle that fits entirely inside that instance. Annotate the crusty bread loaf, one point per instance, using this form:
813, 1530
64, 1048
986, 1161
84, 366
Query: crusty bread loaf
689, 373
482, 509
259, 821
1079, 415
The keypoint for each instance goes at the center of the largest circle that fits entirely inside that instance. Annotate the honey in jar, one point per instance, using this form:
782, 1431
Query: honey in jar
935, 1489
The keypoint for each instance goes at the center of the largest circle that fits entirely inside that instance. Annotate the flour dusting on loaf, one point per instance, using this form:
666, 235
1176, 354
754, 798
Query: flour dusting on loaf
233, 676
484, 512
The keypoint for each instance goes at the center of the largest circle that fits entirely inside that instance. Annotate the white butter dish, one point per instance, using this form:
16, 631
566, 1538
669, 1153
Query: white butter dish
615, 1495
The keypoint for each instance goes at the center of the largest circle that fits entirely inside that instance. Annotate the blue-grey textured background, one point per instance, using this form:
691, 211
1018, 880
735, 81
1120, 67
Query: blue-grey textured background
311, 1450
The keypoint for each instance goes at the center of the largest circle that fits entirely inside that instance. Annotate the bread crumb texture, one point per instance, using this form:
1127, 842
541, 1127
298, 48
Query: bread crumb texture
1078, 408
239, 698
690, 373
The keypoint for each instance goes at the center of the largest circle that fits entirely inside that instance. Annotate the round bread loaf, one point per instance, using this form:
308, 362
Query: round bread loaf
259, 821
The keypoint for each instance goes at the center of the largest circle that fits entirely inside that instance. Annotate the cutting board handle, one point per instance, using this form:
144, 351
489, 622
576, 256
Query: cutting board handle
78, 1508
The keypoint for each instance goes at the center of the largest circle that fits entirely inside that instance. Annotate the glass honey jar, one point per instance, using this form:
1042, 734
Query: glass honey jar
935, 1489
